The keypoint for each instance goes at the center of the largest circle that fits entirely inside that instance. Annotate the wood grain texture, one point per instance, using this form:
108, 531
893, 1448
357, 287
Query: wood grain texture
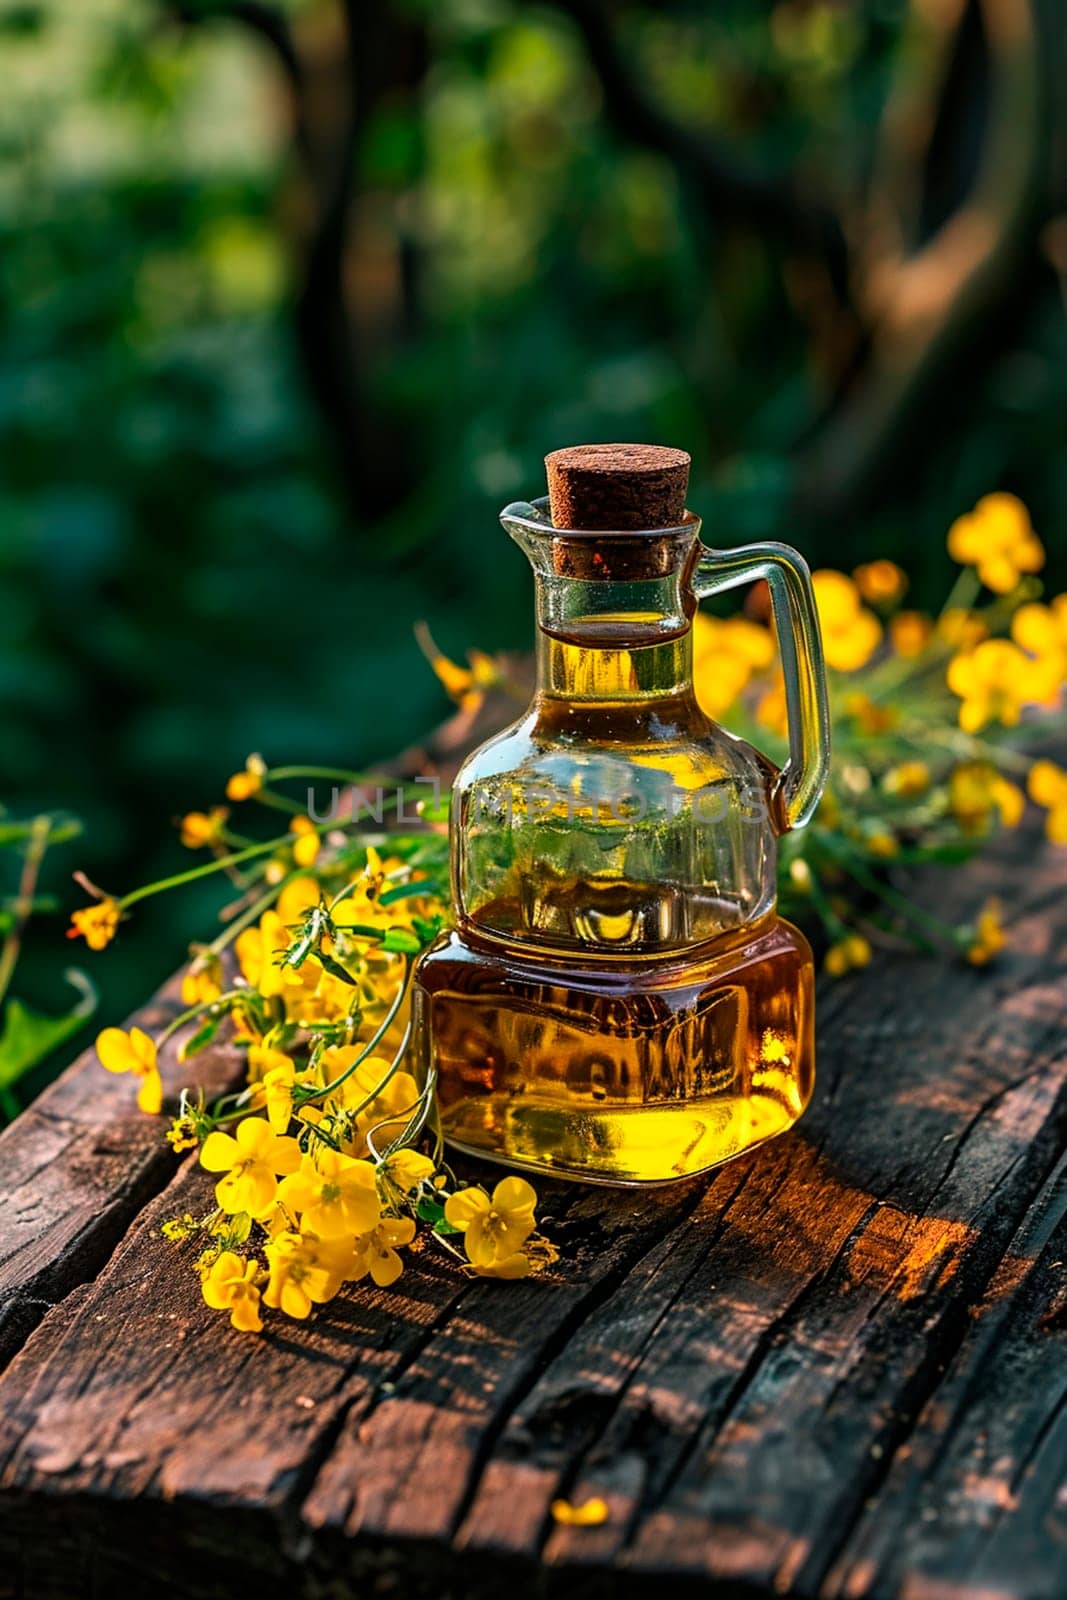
837, 1368
78, 1165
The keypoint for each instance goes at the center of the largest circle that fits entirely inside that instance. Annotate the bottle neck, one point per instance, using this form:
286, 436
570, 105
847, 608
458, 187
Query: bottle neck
614, 658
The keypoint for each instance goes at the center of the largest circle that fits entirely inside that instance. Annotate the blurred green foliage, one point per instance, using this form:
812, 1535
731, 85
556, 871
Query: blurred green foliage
182, 577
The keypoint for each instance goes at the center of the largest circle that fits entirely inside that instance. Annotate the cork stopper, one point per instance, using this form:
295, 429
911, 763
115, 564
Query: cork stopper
617, 487
621, 489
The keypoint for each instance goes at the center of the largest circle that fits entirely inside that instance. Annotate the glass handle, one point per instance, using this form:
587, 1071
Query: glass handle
800, 647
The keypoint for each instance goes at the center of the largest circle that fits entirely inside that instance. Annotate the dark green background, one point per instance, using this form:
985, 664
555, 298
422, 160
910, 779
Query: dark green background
186, 576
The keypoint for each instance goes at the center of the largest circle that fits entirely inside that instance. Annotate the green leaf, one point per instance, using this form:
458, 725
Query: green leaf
400, 940
201, 1038
12, 906
335, 969
61, 829
28, 1036
409, 891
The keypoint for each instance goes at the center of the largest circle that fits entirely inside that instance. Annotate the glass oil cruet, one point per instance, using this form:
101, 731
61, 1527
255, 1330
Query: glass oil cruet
619, 1001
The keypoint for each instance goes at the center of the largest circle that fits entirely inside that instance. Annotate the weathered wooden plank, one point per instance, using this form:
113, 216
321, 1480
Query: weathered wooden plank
146, 1397
975, 1501
78, 1165
733, 1398
733, 1365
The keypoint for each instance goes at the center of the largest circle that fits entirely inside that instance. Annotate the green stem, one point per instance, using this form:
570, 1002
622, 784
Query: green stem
385, 1079
849, 862
825, 911
376, 1038
250, 914
963, 594
342, 775
201, 1009
975, 749
38, 843
279, 802
223, 862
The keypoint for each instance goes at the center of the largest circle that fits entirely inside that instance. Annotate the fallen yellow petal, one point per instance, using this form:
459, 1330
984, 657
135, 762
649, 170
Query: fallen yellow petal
590, 1514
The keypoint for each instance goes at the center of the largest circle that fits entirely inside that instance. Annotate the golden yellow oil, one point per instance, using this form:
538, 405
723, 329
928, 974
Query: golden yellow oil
618, 1071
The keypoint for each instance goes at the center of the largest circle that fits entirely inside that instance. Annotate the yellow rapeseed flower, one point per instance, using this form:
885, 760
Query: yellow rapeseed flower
868, 716
976, 791
997, 539
850, 633
772, 711
495, 1228
726, 652
251, 1159
406, 1169
199, 828
375, 1253
232, 1284
277, 1089
989, 936
304, 1272
258, 950
96, 924
243, 785
851, 952
335, 1195
800, 875
202, 981
909, 633
590, 1514
1042, 632
994, 681
908, 780
261, 1058
880, 581
133, 1052
465, 685
961, 629
182, 1134
1048, 786
385, 1103
307, 844
296, 900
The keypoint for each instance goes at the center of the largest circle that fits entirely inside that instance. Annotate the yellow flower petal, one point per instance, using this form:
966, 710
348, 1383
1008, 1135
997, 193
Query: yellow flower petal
115, 1051
463, 1207
999, 573
590, 1514
245, 1315
1056, 825
150, 1094
514, 1194
514, 1266
1047, 784
219, 1152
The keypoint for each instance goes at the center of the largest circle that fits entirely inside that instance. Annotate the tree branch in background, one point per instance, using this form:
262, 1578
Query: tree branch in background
951, 259
945, 244
337, 73
731, 188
